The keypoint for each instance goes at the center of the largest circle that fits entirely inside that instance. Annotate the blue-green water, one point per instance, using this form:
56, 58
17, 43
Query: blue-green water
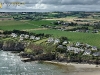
11, 64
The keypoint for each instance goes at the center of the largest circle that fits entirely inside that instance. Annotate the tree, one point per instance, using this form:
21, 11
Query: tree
34, 49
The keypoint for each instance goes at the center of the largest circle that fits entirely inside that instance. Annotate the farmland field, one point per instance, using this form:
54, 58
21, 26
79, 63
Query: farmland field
64, 19
90, 38
22, 25
34, 26
10, 25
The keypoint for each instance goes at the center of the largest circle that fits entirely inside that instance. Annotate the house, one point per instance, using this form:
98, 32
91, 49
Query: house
26, 36
21, 38
6, 19
77, 50
94, 48
69, 48
60, 46
87, 45
37, 38
22, 35
95, 31
87, 31
96, 54
2, 35
87, 52
13, 35
78, 44
65, 42
77, 30
32, 37
56, 41
50, 40
74, 49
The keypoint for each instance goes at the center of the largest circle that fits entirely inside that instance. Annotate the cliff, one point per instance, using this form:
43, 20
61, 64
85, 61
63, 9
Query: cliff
11, 45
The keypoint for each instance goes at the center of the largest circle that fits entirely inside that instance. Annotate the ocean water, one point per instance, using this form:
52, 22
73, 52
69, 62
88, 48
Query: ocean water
11, 64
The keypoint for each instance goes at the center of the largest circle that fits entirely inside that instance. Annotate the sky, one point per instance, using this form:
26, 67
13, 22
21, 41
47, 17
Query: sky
48, 5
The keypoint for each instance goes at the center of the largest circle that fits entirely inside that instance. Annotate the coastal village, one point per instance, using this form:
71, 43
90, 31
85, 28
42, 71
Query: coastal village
61, 49
76, 47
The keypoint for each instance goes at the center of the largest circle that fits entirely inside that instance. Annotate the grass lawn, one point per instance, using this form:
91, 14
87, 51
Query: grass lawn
40, 41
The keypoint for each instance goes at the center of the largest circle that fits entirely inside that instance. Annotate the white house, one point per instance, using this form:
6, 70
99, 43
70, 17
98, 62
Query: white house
96, 54
56, 41
13, 35
50, 39
78, 44
37, 38
26, 36
94, 48
60, 46
32, 37
65, 42
87, 52
22, 35
87, 45
76, 50
21, 38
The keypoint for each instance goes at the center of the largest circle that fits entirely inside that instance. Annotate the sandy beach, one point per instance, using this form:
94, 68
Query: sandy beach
80, 69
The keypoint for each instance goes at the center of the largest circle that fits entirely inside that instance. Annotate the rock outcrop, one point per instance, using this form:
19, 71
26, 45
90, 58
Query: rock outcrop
11, 45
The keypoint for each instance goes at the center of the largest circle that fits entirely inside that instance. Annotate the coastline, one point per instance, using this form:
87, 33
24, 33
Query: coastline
74, 68
77, 65
80, 69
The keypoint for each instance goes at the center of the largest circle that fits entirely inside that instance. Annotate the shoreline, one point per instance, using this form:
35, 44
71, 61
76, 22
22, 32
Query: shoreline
77, 65
74, 68
79, 69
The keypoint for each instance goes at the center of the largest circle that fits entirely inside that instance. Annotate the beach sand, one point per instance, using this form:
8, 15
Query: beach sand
80, 69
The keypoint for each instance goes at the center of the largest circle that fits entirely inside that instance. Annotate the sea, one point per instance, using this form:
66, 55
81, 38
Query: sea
11, 64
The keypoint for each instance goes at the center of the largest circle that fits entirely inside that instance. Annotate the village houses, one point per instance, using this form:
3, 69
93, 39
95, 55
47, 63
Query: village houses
13, 35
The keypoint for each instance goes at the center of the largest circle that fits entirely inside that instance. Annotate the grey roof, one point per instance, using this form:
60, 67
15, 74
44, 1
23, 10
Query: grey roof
96, 54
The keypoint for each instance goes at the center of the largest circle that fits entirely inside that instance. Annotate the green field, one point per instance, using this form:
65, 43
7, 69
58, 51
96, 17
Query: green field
90, 38
41, 22
22, 25
19, 25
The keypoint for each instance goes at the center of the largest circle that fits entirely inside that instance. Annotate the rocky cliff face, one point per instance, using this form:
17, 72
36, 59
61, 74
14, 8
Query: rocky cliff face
1, 44
10, 45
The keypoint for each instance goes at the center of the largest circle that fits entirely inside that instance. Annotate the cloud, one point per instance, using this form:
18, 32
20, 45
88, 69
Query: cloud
79, 2
60, 2
52, 5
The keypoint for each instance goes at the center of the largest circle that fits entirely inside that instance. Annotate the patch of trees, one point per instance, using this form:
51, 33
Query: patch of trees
72, 24
62, 39
97, 26
58, 22
40, 52
15, 31
34, 49
78, 28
